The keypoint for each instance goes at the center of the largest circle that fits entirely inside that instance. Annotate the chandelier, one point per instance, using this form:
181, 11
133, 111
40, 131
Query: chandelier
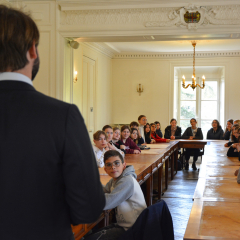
193, 85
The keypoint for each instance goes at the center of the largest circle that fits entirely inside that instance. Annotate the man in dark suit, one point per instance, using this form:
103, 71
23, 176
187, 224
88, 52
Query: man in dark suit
48, 173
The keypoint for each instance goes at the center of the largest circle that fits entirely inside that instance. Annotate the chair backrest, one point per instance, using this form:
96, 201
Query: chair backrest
155, 223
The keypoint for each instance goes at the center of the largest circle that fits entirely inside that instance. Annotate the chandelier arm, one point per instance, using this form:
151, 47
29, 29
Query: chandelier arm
183, 85
200, 86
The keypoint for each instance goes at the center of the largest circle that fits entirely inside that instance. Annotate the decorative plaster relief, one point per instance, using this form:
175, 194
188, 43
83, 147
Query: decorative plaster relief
216, 15
154, 17
175, 55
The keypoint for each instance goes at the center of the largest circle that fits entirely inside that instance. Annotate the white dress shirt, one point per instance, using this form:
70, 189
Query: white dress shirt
12, 76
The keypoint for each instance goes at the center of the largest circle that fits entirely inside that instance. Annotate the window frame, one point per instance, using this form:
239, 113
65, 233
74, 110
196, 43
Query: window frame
198, 100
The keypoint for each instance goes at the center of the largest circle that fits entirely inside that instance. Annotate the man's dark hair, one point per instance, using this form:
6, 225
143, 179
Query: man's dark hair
141, 116
113, 153
18, 32
106, 126
134, 124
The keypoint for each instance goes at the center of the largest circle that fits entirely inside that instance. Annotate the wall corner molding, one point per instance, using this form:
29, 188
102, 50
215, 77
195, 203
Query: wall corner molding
100, 47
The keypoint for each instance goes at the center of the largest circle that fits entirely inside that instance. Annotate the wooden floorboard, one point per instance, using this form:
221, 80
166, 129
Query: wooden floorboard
179, 199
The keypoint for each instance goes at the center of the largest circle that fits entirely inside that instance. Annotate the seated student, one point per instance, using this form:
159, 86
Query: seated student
136, 125
173, 131
232, 137
122, 192
155, 136
147, 134
100, 147
134, 136
109, 131
158, 131
216, 131
116, 139
233, 150
192, 133
142, 122
227, 133
131, 147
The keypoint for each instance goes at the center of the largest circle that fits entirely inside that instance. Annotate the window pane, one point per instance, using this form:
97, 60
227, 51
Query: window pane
188, 94
205, 125
208, 109
184, 124
210, 90
188, 109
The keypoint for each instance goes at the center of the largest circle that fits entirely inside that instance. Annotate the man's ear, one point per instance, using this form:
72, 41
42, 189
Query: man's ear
33, 51
124, 165
94, 141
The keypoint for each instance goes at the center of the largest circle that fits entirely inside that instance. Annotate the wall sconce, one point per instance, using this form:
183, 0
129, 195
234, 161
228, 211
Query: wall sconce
140, 89
75, 76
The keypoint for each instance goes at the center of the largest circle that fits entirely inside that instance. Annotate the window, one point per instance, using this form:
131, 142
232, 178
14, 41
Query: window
202, 104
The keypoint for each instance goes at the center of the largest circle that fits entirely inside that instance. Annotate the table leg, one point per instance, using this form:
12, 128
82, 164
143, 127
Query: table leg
166, 172
176, 160
106, 217
172, 157
160, 182
149, 190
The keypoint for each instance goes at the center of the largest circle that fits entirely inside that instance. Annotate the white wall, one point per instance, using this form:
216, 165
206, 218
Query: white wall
157, 76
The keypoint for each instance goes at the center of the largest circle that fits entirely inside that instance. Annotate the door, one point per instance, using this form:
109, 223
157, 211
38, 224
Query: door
89, 70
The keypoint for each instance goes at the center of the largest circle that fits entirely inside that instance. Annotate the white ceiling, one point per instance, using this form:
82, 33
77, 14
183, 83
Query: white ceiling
175, 46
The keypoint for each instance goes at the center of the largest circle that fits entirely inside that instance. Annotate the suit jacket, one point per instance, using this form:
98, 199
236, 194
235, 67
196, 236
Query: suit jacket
48, 173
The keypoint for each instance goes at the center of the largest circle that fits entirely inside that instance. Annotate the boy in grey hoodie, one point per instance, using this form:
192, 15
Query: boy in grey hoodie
122, 192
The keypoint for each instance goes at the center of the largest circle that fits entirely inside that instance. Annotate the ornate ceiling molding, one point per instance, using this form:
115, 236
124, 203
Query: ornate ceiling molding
115, 16
175, 55
154, 17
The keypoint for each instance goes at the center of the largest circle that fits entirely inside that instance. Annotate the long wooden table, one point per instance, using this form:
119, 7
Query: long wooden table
160, 156
215, 211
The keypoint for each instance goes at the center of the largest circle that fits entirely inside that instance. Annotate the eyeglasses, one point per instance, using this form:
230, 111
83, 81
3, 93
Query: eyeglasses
115, 164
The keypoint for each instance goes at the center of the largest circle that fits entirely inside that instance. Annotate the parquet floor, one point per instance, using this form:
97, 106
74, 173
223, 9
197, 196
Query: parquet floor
179, 199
